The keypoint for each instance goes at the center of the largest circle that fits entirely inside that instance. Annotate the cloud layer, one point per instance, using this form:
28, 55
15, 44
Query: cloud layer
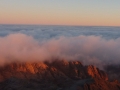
88, 49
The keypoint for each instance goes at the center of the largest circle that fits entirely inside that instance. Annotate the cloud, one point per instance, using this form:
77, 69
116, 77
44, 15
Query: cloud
88, 49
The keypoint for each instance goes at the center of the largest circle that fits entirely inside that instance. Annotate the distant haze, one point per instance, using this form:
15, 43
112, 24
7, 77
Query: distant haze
61, 12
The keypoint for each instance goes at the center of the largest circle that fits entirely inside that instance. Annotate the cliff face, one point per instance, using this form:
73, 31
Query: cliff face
57, 75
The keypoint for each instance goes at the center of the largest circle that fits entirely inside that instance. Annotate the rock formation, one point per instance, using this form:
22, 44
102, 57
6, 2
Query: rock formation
55, 75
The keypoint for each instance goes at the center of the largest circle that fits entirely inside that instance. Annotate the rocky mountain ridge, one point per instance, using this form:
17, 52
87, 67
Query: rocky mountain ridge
55, 75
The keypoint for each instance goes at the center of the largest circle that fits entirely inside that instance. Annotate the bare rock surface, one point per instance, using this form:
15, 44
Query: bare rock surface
55, 75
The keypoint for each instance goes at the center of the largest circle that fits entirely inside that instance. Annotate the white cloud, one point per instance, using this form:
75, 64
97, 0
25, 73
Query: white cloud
88, 49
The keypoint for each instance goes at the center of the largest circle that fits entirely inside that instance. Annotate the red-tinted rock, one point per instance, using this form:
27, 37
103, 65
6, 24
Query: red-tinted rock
61, 75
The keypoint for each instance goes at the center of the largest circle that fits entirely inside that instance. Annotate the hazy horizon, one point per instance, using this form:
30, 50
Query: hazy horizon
59, 25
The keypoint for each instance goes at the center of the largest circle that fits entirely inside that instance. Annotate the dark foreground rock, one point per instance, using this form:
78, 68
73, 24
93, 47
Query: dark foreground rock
57, 75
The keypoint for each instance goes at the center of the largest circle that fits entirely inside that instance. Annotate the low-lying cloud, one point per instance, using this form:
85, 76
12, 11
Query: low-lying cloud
88, 49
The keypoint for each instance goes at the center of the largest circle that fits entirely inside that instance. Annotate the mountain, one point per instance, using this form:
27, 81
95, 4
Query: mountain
55, 75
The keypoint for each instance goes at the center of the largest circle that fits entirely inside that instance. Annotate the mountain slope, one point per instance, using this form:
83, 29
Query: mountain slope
57, 75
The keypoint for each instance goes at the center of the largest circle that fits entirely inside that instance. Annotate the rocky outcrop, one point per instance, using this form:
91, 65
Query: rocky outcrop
96, 73
76, 69
55, 75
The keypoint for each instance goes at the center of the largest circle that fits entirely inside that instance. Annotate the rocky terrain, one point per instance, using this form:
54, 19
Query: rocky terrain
55, 75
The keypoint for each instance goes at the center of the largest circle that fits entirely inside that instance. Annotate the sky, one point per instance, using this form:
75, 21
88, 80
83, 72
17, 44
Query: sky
61, 12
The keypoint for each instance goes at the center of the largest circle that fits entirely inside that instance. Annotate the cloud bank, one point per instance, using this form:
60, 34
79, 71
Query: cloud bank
88, 49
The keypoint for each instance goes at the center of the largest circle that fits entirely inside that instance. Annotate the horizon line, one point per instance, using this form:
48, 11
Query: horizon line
63, 25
